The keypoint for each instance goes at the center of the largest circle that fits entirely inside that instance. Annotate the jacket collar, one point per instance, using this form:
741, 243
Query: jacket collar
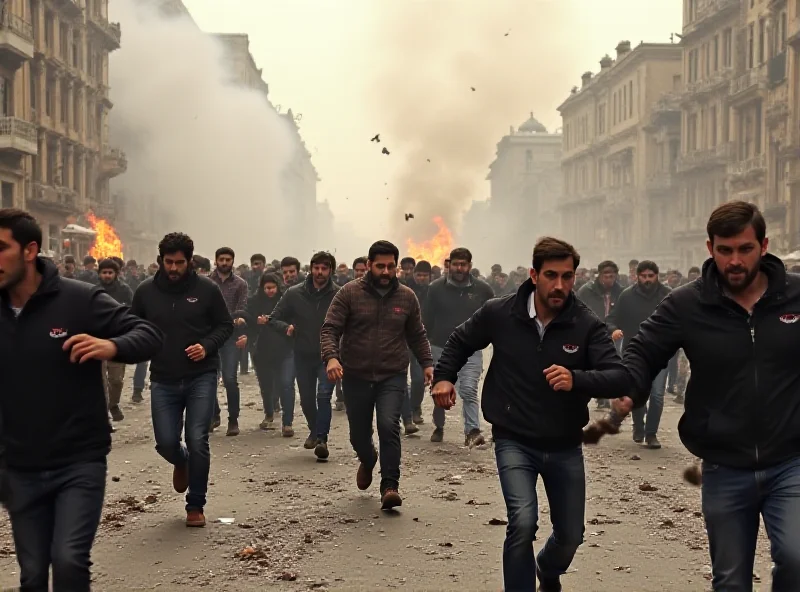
771, 265
520, 304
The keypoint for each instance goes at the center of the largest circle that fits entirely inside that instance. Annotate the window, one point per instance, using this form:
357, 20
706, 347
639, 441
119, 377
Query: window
49, 25
50, 96
76, 172
716, 52
624, 103
8, 194
751, 32
6, 94
76, 53
713, 127
691, 133
51, 163
32, 90
63, 39
76, 111
54, 234
762, 40
707, 48
65, 106
65, 169
630, 94
601, 119
757, 137
614, 110
600, 179
727, 47
528, 161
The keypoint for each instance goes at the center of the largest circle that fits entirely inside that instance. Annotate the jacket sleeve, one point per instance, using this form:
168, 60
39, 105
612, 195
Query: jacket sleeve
330, 335
428, 318
613, 320
417, 337
281, 316
241, 296
467, 338
136, 339
606, 378
222, 322
649, 352
137, 304
128, 294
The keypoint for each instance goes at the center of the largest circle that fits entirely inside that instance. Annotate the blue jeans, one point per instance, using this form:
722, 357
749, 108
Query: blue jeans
168, 402
139, 376
229, 356
733, 499
653, 409
364, 399
467, 388
315, 394
563, 475
672, 372
276, 378
54, 518
415, 391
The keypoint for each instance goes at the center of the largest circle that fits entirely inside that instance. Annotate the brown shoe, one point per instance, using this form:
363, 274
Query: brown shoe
390, 499
474, 438
310, 443
180, 478
287, 432
195, 519
116, 413
233, 428
364, 474
410, 428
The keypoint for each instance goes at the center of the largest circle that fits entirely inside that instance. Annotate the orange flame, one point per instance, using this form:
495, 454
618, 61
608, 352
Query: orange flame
106, 242
434, 250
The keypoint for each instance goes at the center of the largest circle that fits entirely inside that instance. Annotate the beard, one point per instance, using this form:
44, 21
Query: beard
647, 288
554, 301
742, 281
380, 281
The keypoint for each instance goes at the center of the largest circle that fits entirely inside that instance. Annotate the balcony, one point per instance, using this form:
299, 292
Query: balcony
717, 80
793, 32
708, 157
113, 163
16, 40
111, 33
105, 210
707, 12
662, 181
742, 169
69, 8
778, 102
58, 199
746, 85
620, 197
18, 135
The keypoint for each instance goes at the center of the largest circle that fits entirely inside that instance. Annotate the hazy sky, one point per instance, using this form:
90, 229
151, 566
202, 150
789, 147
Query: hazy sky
355, 68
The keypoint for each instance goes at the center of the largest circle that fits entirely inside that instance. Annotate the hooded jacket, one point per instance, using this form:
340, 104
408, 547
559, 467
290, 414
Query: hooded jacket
40, 384
593, 296
447, 305
268, 341
517, 399
304, 307
743, 399
119, 291
633, 307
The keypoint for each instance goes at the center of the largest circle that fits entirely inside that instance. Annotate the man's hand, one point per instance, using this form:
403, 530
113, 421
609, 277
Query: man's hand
444, 394
290, 330
241, 343
334, 369
196, 352
622, 406
84, 347
239, 322
559, 378
428, 375
617, 335
263, 320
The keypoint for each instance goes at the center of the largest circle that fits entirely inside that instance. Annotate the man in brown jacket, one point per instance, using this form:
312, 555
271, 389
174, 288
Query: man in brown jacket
376, 319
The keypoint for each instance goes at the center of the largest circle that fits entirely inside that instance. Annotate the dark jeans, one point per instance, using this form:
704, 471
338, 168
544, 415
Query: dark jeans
653, 409
276, 381
519, 467
229, 356
315, 394
168, 402
54, 518
244, 359
139, 376
384, 399
672, 372
415, 391
733, 500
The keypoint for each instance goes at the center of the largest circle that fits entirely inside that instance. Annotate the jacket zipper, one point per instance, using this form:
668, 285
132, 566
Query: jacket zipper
755, 368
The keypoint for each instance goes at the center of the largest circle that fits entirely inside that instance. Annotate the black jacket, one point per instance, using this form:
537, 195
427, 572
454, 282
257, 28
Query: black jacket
89, 276
40, 386
633, 307
593, 296
119, 291
743, 398
189, 311
267, 341
448, 305
304, 307
516, 399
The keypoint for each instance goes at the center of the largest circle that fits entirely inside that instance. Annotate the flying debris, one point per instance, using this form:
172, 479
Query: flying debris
507, 32
384, 151
472, 88
409, 217
428, 159
377, 138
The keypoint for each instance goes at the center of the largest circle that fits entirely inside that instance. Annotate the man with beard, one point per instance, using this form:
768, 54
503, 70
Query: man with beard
369, 327
114, 372
257, 264
234, 291
738, 324
452, 300
412, 405
551, 356
192, 313
69, 267
89, 272
359, 267
635, 304
54, 334
290, 270
300, 313
406, 272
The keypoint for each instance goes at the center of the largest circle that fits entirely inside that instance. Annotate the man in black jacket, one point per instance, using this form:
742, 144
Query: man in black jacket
54, 334
551, 356
412, 405
451, 300
89, 272
192, 313
301, 313
739, 325
634, 306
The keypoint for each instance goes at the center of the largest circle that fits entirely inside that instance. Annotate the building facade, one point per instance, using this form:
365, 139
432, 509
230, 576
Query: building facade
239, 62
620, 145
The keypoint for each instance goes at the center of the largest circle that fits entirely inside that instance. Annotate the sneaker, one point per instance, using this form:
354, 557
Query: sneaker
215, 423
652, 442
548, 584
437, 435
310, 443
638, 436
180, 478
410, 428
321, 450
267, 423
195, 519
287, 432
233, 428
474, 438
364, 474
339, 406
116, 413
390, 499
137, 396
417, 417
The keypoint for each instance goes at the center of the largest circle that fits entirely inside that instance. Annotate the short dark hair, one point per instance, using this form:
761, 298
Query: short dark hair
224, 251
290, 262
647, 266
606, 265
324, 258
358, 260
422, 267
258, 257
176, 242
694, 269
406, 260
549, 248
383, 247
119, 261
24, 227
462, 254
633, 263
88, 260
132, 263
269, 277
109, 263
734, 217
69, 259
201, 263
475, 272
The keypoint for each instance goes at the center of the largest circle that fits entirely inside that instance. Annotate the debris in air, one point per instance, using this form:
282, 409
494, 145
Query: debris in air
384, 151
428, 159
377, 138
472, 88
409, 217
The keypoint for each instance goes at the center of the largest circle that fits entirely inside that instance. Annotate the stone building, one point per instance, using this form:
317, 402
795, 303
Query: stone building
619, 152
239, 62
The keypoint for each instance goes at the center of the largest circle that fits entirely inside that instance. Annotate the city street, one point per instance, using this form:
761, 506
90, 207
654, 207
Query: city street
298, 524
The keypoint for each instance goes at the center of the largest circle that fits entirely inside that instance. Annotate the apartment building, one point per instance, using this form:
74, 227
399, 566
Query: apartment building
791, 150
619, 148
239, 62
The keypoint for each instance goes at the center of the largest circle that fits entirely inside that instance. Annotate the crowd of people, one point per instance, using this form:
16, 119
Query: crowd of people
366, 340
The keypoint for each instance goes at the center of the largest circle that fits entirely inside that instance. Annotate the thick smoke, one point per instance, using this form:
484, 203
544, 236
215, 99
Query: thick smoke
432, 55
211, 152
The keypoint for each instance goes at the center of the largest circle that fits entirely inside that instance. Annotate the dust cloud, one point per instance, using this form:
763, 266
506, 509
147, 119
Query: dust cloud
519, 56
210, 152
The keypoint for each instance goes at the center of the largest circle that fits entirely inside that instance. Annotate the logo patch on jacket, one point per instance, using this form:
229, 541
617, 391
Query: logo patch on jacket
58, 333
397, 310
191, 299
789, 318
570, 349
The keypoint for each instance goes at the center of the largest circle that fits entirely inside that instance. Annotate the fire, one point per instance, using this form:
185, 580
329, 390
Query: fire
106, 241
434, 250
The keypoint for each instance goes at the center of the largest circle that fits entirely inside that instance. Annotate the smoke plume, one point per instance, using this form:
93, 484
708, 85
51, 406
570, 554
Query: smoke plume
210, 152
